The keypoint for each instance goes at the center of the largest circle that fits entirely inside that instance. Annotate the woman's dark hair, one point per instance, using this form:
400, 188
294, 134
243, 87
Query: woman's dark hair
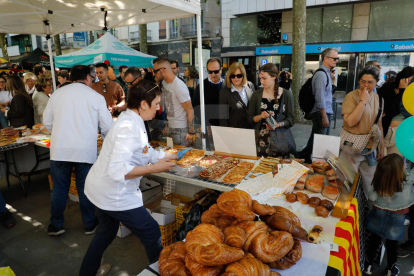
15, 86
79, 73
284, 76
271, 69
149, 77
405, 73
192, 72
41, 83
63, 74
143, 90
370, 70
389, 175
2, 77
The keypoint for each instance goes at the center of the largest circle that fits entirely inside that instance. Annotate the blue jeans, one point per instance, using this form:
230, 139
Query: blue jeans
138, 220
4, 121
2, 204
386, 224
317, 128
61, 172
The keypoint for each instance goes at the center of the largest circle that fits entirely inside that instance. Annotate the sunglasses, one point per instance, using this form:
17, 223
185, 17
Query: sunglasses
335, 59
130, 83
156, 71
210, 72
104, 88
233, 76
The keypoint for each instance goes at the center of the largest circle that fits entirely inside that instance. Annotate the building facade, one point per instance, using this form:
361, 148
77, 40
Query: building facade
260, 31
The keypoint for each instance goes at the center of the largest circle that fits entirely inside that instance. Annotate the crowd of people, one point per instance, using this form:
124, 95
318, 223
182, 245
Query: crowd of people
155, 102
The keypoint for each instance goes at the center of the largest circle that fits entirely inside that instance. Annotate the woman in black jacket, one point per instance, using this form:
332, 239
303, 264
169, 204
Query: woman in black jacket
392, 93
235, 98
21, 111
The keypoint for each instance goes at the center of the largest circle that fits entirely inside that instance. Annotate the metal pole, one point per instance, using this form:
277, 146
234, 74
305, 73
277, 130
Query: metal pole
201, 78
49, 45
191, 51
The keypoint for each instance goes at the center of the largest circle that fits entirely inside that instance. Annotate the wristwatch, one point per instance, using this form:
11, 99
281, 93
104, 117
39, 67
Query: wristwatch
363, 102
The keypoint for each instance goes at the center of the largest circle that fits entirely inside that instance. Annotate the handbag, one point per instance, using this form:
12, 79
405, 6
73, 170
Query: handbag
281, 141
354, 144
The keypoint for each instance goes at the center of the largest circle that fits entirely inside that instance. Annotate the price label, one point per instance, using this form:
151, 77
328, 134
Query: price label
170, 143
282, 166
334, 247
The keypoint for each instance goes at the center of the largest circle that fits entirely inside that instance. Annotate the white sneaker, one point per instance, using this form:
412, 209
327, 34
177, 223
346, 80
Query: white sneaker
406, 222
103, 269
368, 270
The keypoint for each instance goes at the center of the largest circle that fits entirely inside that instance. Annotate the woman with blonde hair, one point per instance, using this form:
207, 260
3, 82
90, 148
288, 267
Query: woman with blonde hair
191, 79
29, 81
40, 100
235, 98
21, 109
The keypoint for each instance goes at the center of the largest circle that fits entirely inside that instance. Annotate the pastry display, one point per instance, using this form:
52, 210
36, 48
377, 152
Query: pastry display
238, 173
290, 259
266, 165
327, 204
219, 168
314, 183
302, 197
330, 192
191, 157
314, 202
321, 211
315, 234
291, 198
236, 203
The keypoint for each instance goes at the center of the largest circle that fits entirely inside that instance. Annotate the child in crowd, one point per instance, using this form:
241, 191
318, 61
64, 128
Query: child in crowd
392, 193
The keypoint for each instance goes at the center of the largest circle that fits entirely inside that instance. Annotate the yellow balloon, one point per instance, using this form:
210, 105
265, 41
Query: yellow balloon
408, 99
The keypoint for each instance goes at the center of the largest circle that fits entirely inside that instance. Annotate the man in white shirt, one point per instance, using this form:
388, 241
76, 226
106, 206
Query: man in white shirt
72, 116
180, 114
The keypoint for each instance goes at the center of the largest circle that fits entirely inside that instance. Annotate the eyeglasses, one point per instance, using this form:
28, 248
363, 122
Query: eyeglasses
156, 86
130, 83
104, 88
210, 72
363, 82
334, 58
156, 71
239, 76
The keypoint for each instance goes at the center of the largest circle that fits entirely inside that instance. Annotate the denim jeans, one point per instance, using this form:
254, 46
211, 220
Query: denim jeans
138, 220
386, 224
4, 121
61, 172
2, 204
178, 135
317, 128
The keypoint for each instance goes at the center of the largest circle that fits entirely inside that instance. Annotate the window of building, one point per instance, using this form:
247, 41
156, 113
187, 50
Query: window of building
337, 22
391, 20
243, 31
174, 28
313, 25
162, 30
269, 28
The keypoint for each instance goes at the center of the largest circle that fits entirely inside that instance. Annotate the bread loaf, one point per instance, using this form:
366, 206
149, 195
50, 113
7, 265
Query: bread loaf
314, 183
291, 197
315, 234
314, 202
330, 192
327, 204
321, 211
302, 197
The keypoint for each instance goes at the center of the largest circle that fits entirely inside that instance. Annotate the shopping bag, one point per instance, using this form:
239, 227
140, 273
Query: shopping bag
6, 271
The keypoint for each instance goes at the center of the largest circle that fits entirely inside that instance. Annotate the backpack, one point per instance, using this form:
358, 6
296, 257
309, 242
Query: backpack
307, 97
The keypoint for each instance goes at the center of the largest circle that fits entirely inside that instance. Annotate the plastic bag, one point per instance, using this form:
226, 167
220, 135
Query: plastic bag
6, 271
192, 219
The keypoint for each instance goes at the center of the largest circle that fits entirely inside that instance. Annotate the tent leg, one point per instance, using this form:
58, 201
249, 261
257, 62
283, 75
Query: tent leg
49, 45
201, 77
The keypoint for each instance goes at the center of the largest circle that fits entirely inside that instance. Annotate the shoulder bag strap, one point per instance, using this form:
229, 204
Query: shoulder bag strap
238, 101
379, 109
327, 78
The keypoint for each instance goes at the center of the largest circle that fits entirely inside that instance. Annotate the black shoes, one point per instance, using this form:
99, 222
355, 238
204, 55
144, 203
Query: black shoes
7, 219
405, 249
53, 231
394, 271
92, 230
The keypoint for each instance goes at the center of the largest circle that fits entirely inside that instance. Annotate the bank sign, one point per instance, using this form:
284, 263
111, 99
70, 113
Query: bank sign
80, 40
362, 47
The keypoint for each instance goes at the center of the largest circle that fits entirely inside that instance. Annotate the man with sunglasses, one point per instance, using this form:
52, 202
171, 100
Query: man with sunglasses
322, 110
179, 123
113, 93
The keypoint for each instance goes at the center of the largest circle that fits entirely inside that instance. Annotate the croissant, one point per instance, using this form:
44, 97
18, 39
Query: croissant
204, 245
261, 209
236, 203
202, 270
285, 224
288, 214
271, 247
234, 236
291, 258
249, 266
217, 218
252, 228
170, 266
179, 251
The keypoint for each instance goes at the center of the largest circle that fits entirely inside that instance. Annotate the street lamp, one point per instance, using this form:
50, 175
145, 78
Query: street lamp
28, 47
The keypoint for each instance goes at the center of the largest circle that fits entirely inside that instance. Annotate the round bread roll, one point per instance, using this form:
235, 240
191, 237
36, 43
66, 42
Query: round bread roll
327, 204
314, 202
321, 211
291, 197
302, 197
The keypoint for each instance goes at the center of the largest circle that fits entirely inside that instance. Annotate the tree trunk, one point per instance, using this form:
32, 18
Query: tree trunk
298, 53
143, 41
58, 49
3, 46
91, 40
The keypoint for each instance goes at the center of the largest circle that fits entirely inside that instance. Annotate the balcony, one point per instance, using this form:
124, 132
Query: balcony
191, 29
134, 36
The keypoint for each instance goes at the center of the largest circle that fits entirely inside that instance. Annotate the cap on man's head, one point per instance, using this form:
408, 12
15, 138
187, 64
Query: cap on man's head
107, 62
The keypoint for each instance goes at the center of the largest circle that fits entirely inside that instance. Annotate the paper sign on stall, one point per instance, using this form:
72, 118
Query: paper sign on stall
322, 143
234, 140
286, 179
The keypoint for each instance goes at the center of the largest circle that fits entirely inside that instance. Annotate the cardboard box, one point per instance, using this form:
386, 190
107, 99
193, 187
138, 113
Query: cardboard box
162, 211
151, 190
147, 183
123, 231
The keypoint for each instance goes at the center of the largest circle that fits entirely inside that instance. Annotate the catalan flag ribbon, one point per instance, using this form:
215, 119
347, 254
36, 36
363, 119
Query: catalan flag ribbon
347, 259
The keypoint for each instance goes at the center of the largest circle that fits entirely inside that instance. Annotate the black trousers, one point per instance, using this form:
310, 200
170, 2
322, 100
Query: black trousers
374, 245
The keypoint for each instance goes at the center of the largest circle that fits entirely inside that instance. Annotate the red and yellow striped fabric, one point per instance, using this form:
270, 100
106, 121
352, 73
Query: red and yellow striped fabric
347, 259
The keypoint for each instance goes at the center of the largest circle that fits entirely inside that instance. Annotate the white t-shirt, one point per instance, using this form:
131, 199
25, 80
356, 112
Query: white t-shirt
176, 93
5, 96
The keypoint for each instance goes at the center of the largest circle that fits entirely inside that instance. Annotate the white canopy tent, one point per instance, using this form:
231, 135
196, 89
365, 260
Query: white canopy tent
50, 17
